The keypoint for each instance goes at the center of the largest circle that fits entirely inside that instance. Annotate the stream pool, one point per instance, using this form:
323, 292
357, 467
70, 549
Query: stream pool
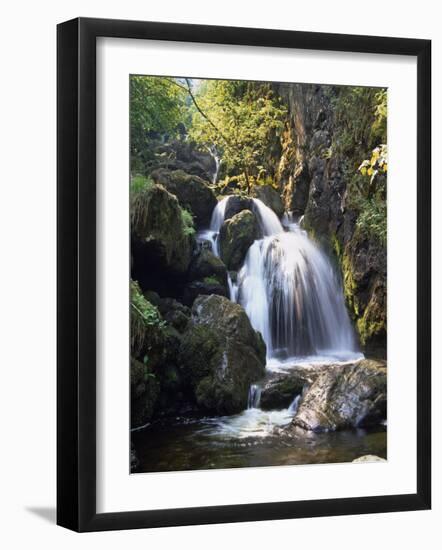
250, 439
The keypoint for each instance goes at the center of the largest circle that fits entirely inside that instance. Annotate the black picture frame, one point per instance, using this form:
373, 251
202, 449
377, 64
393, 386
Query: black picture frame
76, 274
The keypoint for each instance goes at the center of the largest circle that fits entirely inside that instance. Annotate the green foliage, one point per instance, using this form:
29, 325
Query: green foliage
140, 189
360, 118
211, 280
361, 132
372, 219
146, 321
139, 184
240, 120
188, 223
156, 107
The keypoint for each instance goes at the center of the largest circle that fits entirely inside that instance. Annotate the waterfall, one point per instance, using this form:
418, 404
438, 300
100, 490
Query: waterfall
217, 159
254, 397
216, 222
289, 290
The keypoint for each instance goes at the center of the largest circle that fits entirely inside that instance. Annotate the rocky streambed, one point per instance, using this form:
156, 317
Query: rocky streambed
308, 413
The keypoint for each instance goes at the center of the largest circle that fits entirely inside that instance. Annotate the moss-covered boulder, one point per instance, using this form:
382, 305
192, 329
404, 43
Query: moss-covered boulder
205, 264
236, 236
270, 197
236, 204
345, 396
221, 355
163, 240
174, 313
192, 192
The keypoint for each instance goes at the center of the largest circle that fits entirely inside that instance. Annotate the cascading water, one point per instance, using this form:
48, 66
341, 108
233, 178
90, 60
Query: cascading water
217, 159
288, 289
254, 397
291, 294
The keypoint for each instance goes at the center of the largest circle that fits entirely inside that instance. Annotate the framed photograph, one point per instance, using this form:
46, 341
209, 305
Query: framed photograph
243, 274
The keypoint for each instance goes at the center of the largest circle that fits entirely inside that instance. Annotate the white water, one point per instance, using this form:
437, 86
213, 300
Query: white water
217, 159
292, 296
289, 291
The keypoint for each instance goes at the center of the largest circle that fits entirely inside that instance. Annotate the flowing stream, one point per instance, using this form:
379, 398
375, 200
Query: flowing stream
293, 297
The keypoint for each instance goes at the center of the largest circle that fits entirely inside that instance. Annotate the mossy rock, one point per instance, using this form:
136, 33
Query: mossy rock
158, 225
236, 236
221, 355
192, 192
205, 265
236, 204
174, 313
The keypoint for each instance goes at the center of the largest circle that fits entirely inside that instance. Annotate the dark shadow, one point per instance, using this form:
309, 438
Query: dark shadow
46, 513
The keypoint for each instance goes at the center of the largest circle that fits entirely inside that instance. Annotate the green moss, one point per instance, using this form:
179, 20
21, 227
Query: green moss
211, 280
140, 183
188, 223
200, 349
146, 321
350, 286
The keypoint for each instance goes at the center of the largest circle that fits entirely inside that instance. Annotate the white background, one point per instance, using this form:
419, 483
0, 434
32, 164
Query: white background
27, 289
116, 490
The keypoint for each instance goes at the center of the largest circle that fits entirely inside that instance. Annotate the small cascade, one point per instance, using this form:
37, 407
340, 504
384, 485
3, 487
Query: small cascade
293, 408
217, 159
216, 222
254, 398
233, 288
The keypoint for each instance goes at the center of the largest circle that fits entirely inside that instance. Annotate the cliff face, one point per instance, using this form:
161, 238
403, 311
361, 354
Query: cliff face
314, 179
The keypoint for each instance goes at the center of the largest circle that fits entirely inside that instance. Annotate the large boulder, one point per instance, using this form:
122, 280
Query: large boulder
205, 264
280, 390
236, 204
236, 236
192, 192
161, 240
345, 396
221, 355
270, 197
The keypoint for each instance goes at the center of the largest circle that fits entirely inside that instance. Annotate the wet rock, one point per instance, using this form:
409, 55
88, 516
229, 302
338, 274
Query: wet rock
345, 396
236, 236
280, 390
369, 458
237, 204
192, 192
221, 355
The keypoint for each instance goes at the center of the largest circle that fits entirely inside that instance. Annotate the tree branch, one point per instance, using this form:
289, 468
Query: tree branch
202, 113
